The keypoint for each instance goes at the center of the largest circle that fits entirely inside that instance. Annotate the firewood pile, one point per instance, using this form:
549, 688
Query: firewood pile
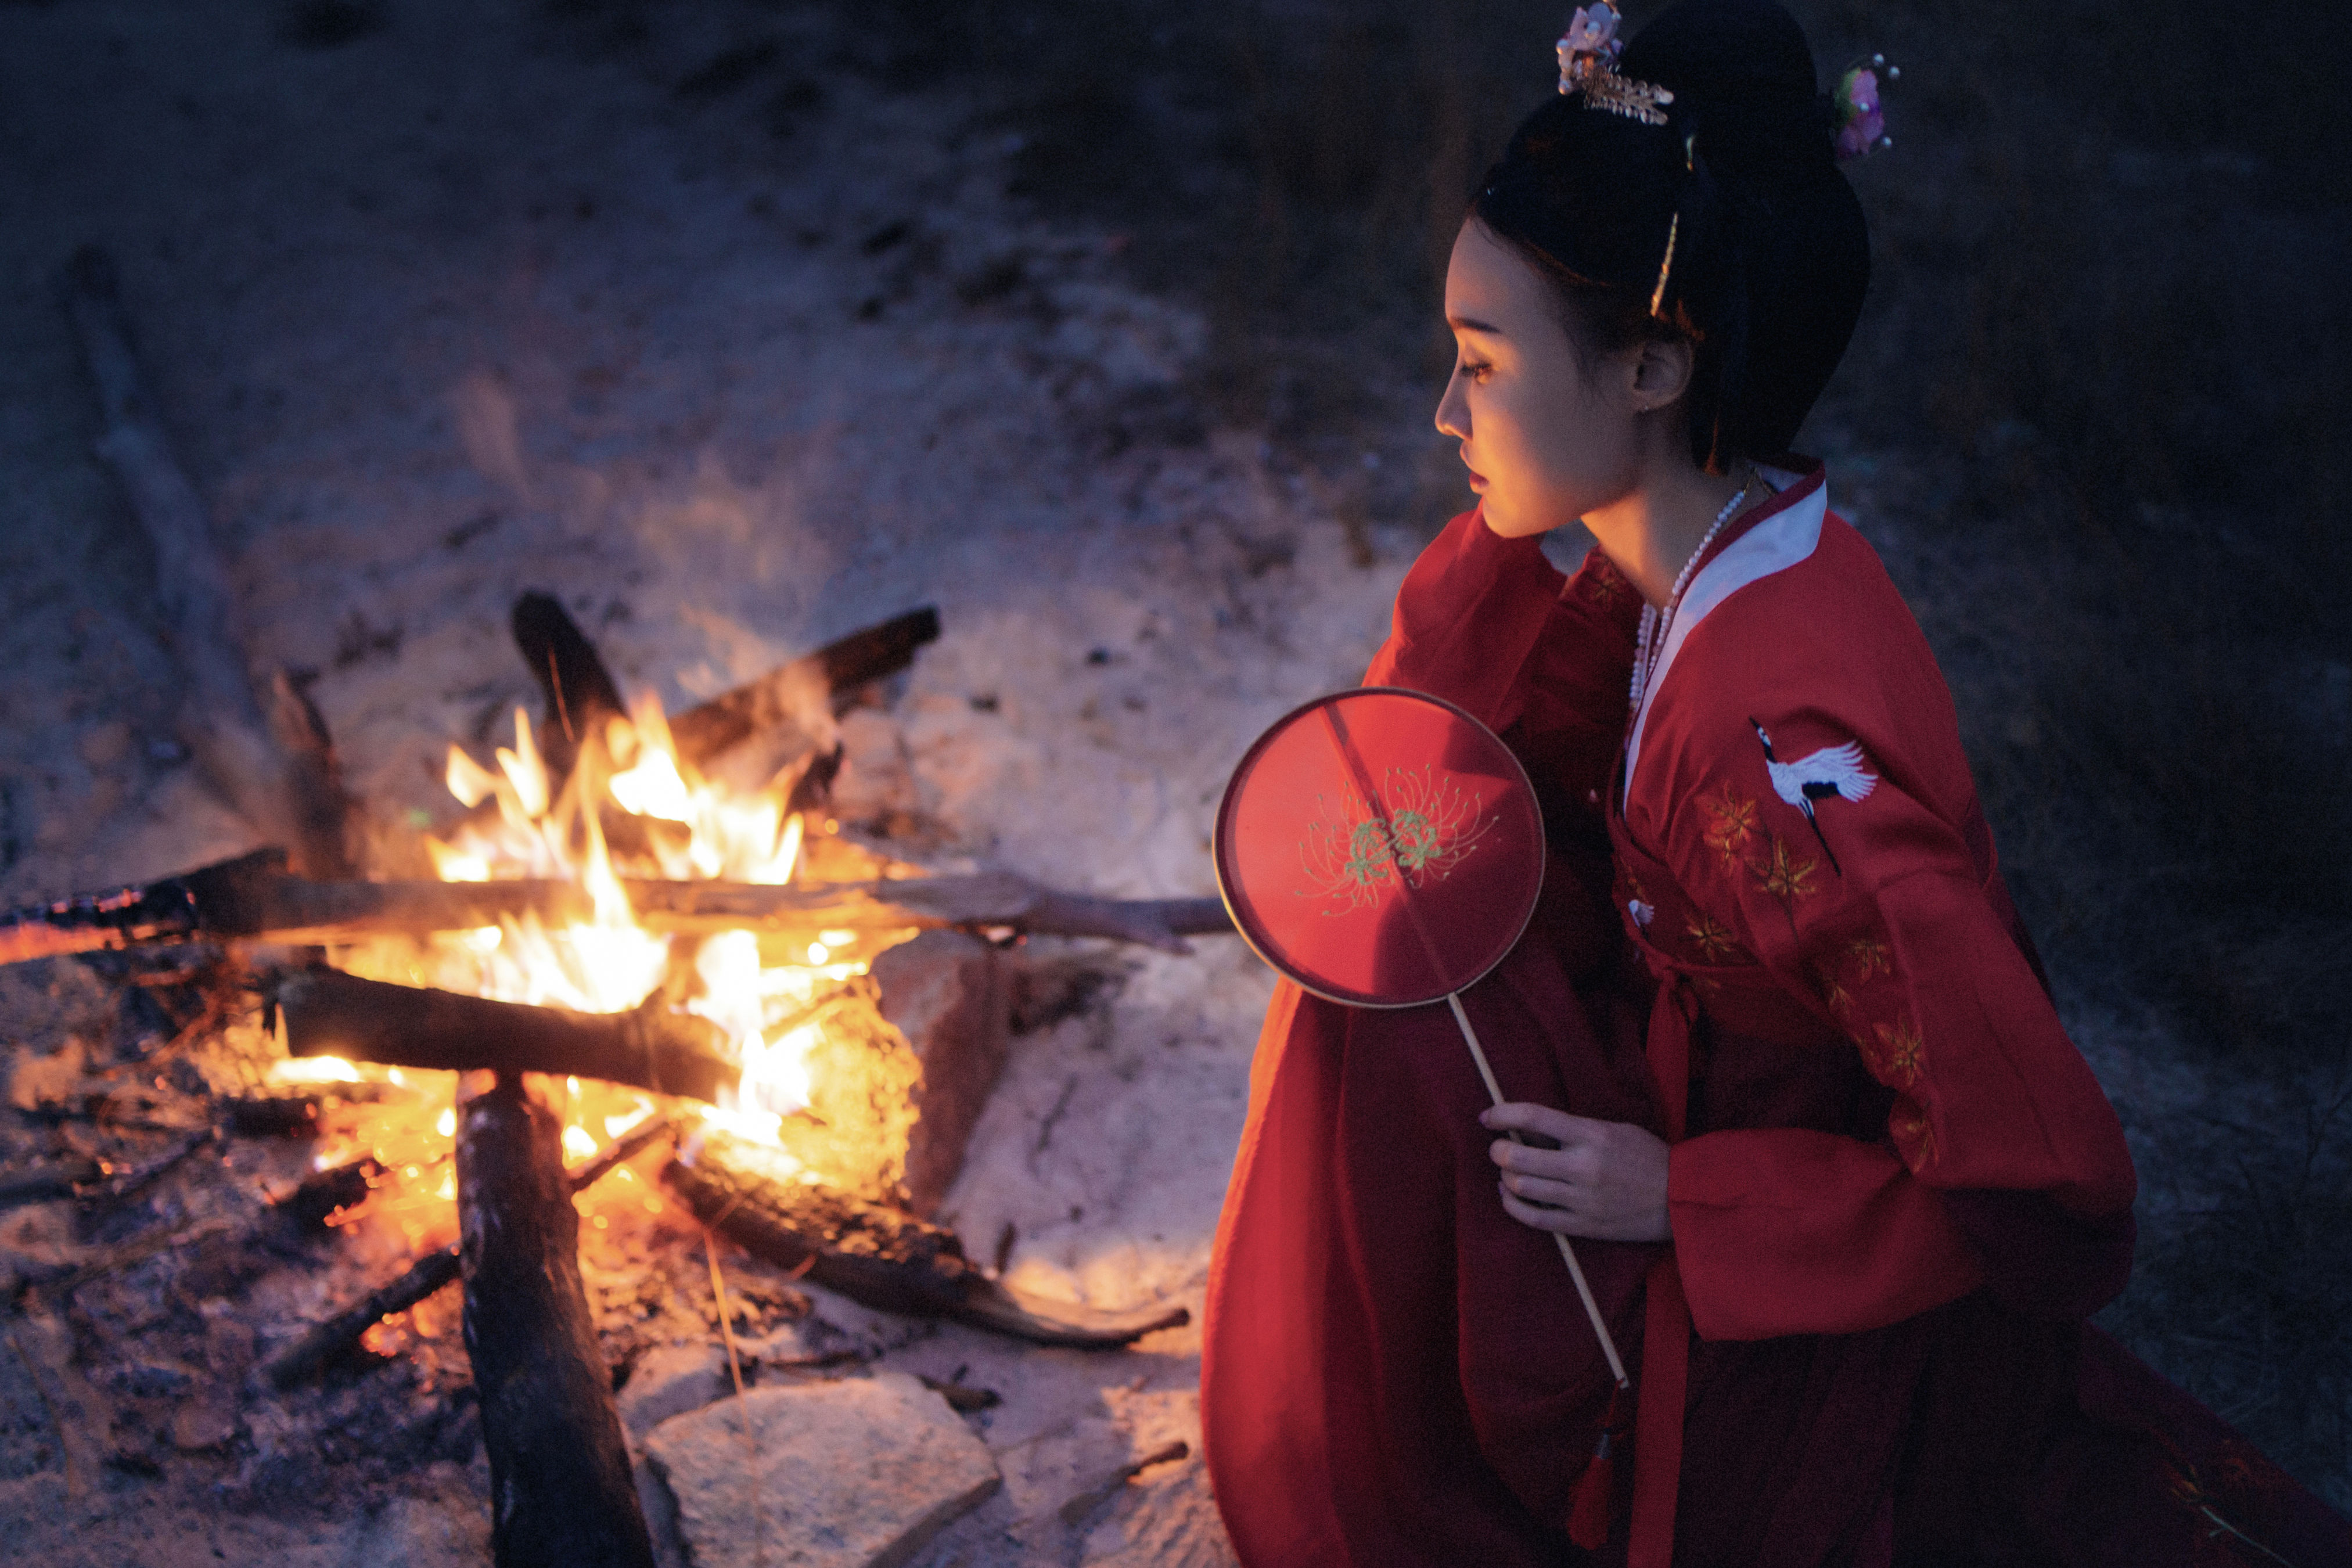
330, 1130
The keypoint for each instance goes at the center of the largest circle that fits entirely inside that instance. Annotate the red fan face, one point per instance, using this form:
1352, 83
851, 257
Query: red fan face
1381, 847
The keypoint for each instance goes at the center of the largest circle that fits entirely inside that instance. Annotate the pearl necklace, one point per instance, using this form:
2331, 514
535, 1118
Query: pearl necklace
1650, 640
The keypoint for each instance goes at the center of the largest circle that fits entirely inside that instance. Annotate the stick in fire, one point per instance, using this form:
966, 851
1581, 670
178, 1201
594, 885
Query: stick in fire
253, 898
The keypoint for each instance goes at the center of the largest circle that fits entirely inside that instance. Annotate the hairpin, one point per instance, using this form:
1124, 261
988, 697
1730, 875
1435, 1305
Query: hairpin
1674, 230
1588, 65
1862, 124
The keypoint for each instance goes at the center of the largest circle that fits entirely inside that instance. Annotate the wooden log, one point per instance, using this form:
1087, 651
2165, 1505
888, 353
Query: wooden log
328, 1013
834, 672
580, 693
251, 897
561, 1489
225, 899
223, 716
881, 1257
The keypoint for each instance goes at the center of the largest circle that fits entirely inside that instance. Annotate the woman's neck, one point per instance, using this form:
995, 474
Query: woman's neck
1652, 534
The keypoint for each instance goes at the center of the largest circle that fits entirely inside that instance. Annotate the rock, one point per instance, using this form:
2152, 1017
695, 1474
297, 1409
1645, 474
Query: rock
857, 1474
947, 994
206, 1421
420, 1532
670, 1380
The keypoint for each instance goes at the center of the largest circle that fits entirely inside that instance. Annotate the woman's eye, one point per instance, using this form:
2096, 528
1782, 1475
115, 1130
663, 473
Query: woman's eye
1475, 372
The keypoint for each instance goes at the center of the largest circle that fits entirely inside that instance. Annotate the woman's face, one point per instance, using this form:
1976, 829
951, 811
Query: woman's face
1545, 442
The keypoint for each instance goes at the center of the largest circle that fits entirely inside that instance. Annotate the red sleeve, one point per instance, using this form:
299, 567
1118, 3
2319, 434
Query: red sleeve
1471, 612
1884, 922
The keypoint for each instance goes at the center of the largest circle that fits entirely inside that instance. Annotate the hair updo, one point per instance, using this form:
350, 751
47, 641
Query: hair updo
1772, 255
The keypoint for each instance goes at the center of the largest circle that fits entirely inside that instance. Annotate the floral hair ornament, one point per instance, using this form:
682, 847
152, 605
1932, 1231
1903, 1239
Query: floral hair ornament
1588, 65
1862, 124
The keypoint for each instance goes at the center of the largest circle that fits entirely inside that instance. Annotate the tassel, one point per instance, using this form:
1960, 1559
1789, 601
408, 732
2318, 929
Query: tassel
1591, 1500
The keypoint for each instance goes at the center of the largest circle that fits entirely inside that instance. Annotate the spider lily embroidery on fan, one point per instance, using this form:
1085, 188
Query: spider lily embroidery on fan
1833, 771
1416, 833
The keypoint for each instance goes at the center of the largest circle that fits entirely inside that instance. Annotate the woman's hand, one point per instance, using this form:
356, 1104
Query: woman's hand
1607, 1180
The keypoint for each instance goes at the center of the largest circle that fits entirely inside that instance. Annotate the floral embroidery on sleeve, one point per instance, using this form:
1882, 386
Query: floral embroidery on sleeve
1785, 877
1715, 941
1896, 1054
1731, 825
1869, 956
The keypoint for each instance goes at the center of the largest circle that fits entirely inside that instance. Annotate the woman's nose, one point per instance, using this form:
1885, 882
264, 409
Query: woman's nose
1454, 411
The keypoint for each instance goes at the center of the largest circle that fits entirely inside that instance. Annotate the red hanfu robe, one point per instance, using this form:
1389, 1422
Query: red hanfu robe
1895, 1187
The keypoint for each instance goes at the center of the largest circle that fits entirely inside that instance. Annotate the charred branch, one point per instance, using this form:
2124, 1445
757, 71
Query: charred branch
835, 672
878, 1257
263, 750
331, 1014
252, 897
560, 1485
580, 692
329, 1342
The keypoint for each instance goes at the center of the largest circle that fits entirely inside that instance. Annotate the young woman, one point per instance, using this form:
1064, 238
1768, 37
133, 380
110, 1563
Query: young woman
1845, 1190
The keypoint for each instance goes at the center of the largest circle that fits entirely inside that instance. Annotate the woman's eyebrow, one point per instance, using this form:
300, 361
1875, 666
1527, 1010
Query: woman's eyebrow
1472, 324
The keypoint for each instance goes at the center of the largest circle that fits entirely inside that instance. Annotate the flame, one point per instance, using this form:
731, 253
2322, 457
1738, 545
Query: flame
626, 774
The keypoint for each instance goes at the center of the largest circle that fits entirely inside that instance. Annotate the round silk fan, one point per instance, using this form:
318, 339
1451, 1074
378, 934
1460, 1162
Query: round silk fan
1383, 848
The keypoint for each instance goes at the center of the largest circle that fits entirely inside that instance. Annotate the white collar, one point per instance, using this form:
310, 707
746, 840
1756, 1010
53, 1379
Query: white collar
1775, 544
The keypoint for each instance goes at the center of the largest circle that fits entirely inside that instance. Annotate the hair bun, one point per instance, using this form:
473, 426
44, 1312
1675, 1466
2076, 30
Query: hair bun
1744, 84
1750, 244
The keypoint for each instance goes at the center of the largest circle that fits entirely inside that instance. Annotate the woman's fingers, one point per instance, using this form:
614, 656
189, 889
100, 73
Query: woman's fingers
1541, 1120
1539, 1217
1538, 1190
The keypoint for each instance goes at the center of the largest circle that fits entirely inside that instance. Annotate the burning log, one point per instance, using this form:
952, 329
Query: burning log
561, 1484
331, 1014
268, 757
581, 693
253, 897
880, 1257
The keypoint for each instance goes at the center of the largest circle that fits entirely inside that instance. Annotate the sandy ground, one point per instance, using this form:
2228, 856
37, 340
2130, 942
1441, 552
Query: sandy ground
460, 309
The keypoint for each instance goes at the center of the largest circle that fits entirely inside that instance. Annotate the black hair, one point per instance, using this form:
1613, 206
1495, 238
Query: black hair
1772, 255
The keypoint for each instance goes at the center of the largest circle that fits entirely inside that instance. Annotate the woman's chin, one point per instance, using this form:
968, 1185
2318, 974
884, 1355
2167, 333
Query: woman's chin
1507, 521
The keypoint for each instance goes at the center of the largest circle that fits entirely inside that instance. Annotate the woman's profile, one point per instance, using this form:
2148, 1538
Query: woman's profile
1846, 1191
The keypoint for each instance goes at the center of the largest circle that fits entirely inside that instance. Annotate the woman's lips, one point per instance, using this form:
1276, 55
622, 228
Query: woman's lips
1477, 480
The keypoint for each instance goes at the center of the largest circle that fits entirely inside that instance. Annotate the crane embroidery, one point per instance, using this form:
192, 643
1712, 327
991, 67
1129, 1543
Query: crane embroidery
1833, 771
1414, 833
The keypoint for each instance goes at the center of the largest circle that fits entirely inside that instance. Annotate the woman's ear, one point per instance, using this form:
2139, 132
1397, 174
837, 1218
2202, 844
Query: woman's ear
1662, 374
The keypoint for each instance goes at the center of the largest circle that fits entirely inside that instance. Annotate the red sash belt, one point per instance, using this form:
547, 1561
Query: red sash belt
1667, 1324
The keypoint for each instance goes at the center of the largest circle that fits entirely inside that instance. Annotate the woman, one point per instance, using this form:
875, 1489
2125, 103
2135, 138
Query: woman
1843, 1188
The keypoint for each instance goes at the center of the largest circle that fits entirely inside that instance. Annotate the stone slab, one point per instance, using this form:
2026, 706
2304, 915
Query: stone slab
856, 1474
669, 1380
